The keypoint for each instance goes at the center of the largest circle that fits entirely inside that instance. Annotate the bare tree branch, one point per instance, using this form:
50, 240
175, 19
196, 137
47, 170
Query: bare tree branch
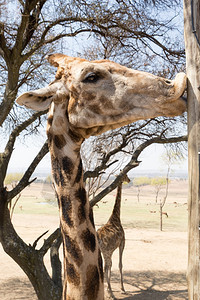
134, 163
25, 179
48, 242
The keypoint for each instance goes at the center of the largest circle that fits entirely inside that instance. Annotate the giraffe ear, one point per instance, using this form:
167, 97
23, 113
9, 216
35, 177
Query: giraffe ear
61, 60
41, 99
35, 100
56, 59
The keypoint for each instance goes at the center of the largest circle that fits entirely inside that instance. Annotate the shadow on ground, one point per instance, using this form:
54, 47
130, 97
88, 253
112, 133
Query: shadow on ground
151, 285
17, 289
139, 286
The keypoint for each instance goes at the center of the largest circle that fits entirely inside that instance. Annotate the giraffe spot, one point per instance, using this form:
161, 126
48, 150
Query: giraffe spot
100, 266
89, 131
68, 166
91, 217
81, 214
73, 249
50, 137
50, 120
59, 141
67, 210
81, 197
95, 109
89, 240
74, 93
92, 282
55, 177
106, 103
74, 136
79, 172
99, 129
58, 178
72, 274
57, 172
45, 98
88, 96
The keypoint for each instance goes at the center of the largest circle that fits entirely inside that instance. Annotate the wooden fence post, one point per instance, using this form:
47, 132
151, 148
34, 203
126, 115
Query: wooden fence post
192, 46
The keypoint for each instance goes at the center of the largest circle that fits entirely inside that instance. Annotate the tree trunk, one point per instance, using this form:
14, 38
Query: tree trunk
26, 256
161, 217
55, 262
192, 38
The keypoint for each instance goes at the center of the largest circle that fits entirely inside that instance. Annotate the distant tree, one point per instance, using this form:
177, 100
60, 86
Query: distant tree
158, 183
48, 179
171, 157
13, 178
139, 182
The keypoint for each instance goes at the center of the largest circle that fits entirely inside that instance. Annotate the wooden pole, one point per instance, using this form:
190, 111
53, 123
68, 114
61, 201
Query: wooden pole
192, 46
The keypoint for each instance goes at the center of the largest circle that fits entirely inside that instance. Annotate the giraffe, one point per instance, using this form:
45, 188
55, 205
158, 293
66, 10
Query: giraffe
88, 98
111, 236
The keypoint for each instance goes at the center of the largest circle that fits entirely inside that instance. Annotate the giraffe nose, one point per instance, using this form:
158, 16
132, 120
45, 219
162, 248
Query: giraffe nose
168, 81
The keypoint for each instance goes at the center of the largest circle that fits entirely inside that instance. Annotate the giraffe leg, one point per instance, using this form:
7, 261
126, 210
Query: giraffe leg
121, 249
107, 274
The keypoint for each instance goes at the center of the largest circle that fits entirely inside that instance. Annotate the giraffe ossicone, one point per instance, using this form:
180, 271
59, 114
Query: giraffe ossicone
88, 98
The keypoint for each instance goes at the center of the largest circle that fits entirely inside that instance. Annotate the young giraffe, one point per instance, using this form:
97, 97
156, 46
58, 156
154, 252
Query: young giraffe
111, 236
88, 98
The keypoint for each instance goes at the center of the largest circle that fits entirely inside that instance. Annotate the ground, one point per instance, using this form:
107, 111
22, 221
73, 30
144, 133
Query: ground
154, 262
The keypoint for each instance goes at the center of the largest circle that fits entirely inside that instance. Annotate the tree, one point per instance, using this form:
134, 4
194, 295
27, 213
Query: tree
158, 183
139, 182
171, 157
29, 30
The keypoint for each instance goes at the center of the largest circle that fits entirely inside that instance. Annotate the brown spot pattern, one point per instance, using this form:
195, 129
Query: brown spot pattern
50, 138
91, 216
59, 141
67, 210
74, 136
50, 120
57, 172
79, 172
89, 240
92, 282
95, 109
81, 196
72, 274
67, 166
74, 250
88, 96
81, 213
74, 93
106, 102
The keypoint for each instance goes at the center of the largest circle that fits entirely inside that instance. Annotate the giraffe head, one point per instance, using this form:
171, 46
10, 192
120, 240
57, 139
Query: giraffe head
103, 95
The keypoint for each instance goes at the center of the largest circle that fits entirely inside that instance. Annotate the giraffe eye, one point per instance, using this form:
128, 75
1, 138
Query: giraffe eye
91, 78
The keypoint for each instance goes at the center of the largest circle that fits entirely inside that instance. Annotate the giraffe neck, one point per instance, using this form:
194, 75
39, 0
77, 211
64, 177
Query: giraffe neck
83, 274
115, 216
